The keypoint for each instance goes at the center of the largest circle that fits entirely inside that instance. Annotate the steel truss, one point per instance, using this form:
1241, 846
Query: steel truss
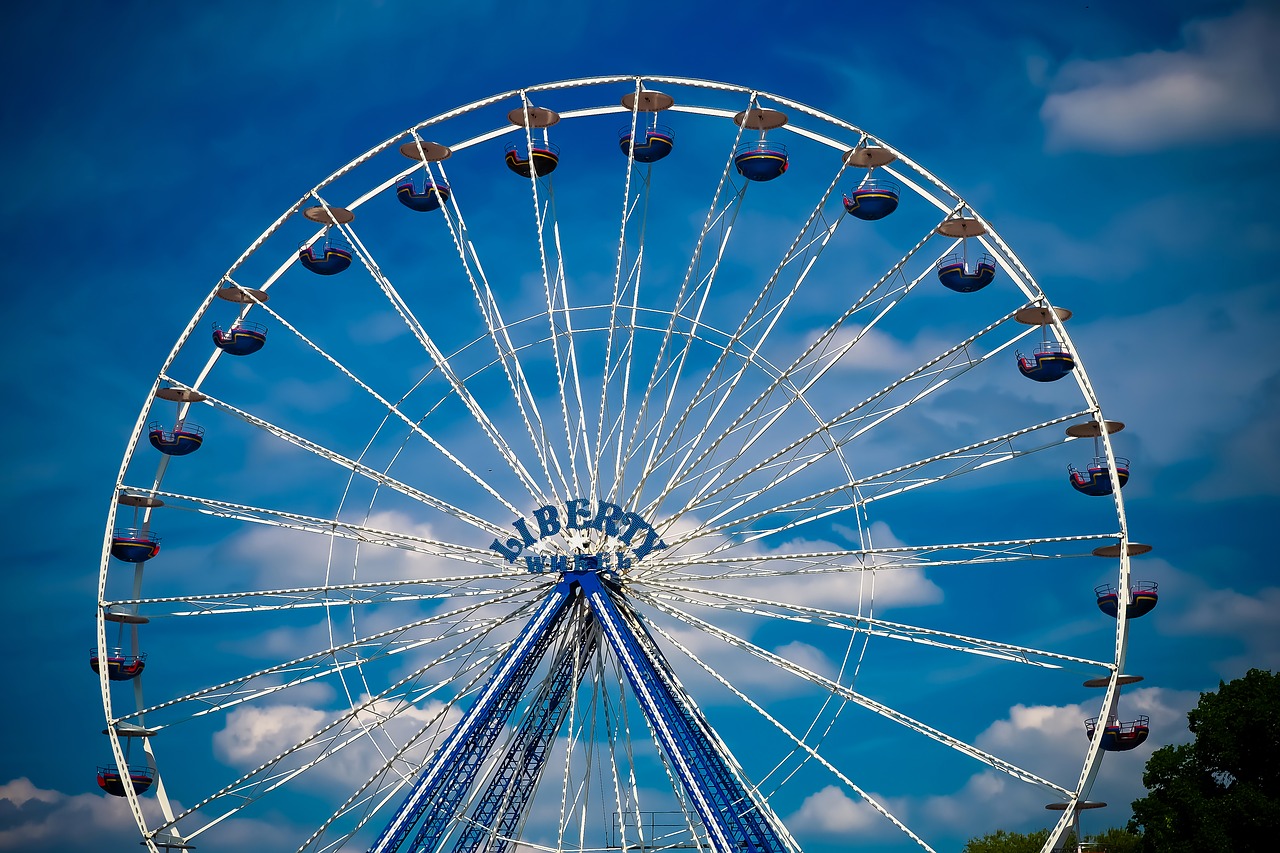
579, 610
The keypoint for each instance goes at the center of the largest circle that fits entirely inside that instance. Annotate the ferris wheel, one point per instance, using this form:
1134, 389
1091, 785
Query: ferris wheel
617, 463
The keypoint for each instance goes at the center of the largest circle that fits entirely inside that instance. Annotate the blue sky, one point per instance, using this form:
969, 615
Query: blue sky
1126, 155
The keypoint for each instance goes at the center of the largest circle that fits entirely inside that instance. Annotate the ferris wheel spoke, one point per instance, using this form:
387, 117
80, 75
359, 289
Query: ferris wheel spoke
559, 318
360, 721
888, 483
810, 366
668, 372
809, 750
621, 745
865, 625
853, 696
459, 622
919, 383
695, 288
349, 464
577, 433
328, 527
762, 318
442, 363
623, 285
499, 334
704, 567
309, 597
391, 408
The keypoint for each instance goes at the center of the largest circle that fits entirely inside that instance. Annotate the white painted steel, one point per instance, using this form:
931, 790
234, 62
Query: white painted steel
708, 382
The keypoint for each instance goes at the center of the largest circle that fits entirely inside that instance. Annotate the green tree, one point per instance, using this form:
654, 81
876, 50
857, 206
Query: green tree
1115, 840
1111, 841
1008, 842
1221, 792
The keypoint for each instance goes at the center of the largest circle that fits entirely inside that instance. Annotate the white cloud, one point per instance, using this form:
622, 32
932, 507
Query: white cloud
1224, 389
282, 557
252, 735
850, 591
807, 656
898, 587
880, 352
831, 812
1223, 83
21, 791
36, 819
1050, 740
1202, 609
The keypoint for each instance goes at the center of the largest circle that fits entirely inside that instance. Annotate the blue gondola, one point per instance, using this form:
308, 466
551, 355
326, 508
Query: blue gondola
1118, 736
110, 780
120, 667
652, 144
873, 199
1096, 480
134, 546
1049, 363
184, 438
430, 197
955, 273
543, 162
761, 160
1143, 596
325, 259
243, 338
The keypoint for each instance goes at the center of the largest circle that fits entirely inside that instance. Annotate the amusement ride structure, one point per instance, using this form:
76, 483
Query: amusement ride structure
628, 463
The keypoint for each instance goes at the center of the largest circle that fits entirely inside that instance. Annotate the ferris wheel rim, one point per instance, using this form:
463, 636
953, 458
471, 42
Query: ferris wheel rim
1014, 266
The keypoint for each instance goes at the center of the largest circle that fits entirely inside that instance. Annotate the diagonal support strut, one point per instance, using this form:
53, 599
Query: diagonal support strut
446, 778
735, 819
511, 786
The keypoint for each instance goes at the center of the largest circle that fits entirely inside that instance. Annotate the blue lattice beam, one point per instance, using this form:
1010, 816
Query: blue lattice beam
509, 791
735, 821
441, 785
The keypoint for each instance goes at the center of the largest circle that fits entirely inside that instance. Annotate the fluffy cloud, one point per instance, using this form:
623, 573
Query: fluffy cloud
835, 590
877, 351
1236, 389
1222, 83
833, 813
36, 820
1251, 618
282, 556
252, 735
1205, 606
1050, 741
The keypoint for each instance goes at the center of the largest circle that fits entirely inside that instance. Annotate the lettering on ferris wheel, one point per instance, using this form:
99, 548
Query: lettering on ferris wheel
608, 518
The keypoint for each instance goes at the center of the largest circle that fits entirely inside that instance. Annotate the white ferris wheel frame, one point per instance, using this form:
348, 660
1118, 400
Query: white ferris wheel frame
667, 594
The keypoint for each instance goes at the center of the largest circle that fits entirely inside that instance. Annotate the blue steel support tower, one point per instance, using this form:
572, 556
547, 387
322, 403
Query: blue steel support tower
506, 797
444, 781
578, 611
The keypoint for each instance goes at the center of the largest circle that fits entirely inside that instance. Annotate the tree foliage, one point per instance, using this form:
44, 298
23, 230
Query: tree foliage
1221, 792
1008, 842
1111, 841
1116, 840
